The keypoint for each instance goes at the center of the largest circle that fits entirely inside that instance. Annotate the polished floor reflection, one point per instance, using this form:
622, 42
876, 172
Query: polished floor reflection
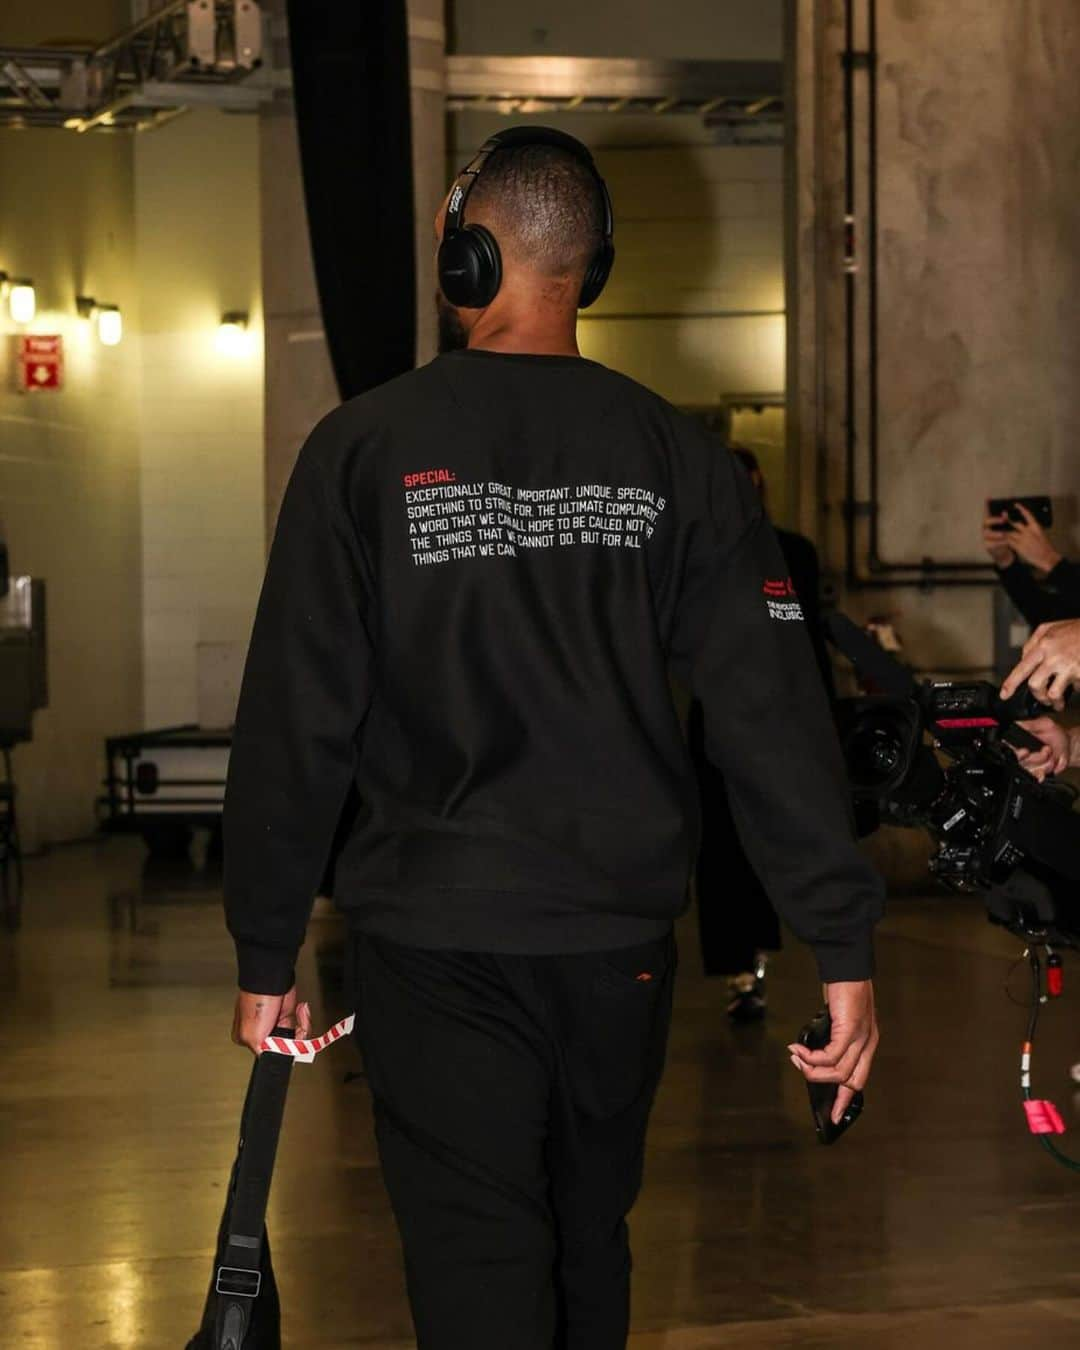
937, 1222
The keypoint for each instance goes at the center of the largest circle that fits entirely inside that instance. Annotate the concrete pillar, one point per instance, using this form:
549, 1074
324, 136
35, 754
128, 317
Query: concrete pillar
300, 384
979, 265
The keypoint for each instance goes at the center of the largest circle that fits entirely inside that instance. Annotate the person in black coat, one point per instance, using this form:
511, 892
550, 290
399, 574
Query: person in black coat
736, 919
1043, 585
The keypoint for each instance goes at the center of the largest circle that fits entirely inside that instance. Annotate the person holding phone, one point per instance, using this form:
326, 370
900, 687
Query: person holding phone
1042, 584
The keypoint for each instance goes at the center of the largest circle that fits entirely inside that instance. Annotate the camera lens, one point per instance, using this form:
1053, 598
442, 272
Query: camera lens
874, 755
885, 755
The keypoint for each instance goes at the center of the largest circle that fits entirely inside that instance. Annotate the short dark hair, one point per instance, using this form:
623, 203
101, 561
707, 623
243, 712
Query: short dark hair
545, 201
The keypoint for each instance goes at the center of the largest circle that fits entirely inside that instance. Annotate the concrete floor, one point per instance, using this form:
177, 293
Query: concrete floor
937, 1222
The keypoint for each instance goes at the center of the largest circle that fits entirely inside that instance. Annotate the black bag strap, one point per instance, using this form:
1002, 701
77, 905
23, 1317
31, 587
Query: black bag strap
260, 1128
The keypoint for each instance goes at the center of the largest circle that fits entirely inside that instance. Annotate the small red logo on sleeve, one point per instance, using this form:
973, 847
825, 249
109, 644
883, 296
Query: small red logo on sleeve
779, 590
782, 600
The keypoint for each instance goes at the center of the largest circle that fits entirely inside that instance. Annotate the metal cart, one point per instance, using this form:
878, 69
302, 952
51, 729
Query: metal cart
164, 784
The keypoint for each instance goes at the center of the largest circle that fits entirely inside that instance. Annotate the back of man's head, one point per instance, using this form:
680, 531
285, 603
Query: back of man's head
543, 206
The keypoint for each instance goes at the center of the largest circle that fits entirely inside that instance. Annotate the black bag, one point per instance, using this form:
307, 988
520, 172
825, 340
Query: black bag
242, 1310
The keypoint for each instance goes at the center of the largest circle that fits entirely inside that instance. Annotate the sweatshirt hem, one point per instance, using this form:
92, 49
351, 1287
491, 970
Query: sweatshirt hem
504, 922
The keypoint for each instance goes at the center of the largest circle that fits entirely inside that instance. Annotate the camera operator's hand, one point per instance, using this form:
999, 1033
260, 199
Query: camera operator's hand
1050, 663
1057, 748
847, 1058
996, 540
1031, 543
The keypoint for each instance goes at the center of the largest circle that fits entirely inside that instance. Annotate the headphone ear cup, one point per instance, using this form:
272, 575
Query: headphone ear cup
489, 272
458, 265
597, 274
470, 267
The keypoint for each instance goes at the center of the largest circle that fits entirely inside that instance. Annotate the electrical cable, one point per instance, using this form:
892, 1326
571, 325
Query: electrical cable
1026, 1054
1006, 989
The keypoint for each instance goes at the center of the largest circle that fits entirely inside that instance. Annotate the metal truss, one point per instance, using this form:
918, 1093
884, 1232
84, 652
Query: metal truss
186, 44
740, 101
210, 51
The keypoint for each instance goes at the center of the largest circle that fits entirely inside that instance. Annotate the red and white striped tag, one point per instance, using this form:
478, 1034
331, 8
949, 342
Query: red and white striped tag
304, 1052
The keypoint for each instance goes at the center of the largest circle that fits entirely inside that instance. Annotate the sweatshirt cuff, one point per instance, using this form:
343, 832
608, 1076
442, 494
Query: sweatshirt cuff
265, 970
841, 964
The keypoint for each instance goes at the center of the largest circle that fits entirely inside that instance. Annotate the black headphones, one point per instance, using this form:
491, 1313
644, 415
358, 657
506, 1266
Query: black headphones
470, 265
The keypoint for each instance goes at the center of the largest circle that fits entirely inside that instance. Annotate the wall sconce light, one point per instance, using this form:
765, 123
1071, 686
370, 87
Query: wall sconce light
110, 323
21, 300
232, 333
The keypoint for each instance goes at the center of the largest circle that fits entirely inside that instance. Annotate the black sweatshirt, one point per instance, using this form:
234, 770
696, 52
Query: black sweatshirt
481, 575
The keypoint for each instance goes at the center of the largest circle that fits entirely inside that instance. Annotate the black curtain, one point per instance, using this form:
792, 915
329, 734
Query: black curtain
350, 64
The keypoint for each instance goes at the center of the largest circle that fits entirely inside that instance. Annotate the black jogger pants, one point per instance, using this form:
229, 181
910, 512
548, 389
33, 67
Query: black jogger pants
511, 1098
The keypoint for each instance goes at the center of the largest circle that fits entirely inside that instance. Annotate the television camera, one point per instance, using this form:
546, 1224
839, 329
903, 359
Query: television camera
939, 756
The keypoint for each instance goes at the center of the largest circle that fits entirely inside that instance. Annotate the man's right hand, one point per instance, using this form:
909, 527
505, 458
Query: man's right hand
256, 1015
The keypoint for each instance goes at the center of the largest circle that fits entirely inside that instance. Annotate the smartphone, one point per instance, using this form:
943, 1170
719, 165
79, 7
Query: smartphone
816, 1035
1040, 507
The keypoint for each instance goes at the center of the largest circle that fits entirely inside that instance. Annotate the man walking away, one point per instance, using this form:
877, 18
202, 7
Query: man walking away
481, 573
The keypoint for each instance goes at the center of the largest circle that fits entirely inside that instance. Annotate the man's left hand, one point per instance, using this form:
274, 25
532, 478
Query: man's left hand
848, 1056
1050, 663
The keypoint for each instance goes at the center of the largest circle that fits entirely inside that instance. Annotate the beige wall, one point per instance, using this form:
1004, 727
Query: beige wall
69, 466
200, 411
698, 231
27, 23
979, 267
733, 30
137, 491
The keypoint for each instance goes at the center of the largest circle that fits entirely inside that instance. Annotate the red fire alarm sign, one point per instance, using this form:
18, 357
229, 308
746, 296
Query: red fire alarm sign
40, 362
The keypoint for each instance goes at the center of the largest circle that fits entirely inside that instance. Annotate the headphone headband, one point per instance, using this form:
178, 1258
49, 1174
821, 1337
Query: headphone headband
600, 265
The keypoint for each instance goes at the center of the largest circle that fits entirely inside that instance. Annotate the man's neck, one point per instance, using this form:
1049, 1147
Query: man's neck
524, 345
504, 333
